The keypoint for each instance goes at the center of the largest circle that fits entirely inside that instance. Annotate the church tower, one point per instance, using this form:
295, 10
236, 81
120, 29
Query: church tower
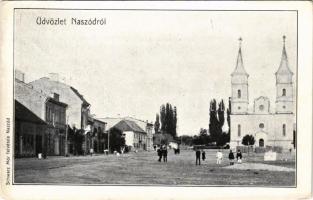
239, 85
284, 85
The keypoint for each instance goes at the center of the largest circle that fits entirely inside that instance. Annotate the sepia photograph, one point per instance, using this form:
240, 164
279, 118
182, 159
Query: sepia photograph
155, 97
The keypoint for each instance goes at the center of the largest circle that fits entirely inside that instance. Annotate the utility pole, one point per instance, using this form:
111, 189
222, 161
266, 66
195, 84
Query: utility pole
108, 141
66, 135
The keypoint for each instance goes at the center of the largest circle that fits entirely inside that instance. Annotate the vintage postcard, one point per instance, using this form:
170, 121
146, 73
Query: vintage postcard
162, 100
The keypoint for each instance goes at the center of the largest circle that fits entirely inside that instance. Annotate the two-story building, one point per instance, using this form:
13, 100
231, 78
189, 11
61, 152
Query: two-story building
77, 112
48, 138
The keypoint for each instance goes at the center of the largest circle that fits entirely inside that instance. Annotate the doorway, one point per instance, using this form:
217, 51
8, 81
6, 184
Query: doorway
261, 142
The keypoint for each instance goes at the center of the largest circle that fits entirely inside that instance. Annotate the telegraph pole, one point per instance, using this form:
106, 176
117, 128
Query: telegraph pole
66, 135
108, 141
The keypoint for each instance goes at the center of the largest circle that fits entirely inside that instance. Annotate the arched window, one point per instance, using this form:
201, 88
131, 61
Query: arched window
284, 92
239, 130
239, 94
284, 129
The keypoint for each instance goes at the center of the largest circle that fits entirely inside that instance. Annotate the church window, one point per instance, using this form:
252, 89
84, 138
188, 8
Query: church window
284, 129
239, 94
261, 107
239, 130
261, 125
284, 92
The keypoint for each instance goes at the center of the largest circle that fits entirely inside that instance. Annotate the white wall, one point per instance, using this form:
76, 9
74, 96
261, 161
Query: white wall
272, 130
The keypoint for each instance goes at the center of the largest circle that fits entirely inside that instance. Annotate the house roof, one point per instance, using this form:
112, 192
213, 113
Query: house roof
24, 114
127, 125
80, 96
68, 87
110, 122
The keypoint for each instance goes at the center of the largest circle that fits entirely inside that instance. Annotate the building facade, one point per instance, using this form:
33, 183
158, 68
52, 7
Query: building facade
31, 139
135, 137
268, 128
30, 131
77, 113
148, 128
56, 129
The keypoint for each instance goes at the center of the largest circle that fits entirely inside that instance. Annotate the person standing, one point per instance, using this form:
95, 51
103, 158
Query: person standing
239, 156
160, 153
164, 154
219, 157
198, 153
231, 157
203, 155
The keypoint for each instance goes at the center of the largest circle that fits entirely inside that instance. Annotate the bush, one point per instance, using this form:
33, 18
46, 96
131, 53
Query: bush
248, 140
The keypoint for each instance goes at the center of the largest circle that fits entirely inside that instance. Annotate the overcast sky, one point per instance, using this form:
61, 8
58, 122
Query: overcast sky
142, 59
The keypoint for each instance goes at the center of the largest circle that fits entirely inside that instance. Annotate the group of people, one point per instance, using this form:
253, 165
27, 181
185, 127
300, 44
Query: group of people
162, 152
231, 157
219, 157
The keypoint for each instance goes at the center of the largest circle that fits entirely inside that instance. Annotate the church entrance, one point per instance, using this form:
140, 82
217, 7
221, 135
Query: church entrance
260, 138
261, 142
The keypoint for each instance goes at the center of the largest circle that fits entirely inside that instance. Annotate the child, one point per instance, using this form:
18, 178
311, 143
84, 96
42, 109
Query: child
203, 155
239, 156
219, 157
231, 157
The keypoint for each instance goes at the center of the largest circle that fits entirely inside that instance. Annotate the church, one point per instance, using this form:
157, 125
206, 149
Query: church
269, 128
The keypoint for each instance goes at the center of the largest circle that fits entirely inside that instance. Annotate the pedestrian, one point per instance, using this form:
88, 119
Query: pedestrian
203, 155
159, 154
91, 151
231, 157
164, 152
239, 156
219, 157
198, 153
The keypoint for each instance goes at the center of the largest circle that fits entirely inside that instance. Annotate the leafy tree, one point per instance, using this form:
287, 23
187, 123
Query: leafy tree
163, 118
157, 123
186, 140
213, 125
116, 140
220, 114
228, 114
223, 139
168, 117
248, 140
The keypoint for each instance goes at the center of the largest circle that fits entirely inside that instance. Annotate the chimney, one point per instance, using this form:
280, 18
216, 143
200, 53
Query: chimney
19, 75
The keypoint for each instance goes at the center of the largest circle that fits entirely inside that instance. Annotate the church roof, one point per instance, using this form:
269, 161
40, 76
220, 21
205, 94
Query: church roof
239, 70
284, 67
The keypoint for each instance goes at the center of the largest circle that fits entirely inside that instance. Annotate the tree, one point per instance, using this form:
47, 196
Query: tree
228, 114
213, 125
116, 140
248, 140
175, 121
157, 123
168, 117
186, 140
220, 114
163, 118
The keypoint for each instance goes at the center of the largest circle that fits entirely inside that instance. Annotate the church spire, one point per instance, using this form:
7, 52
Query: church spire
239, 64
283, 67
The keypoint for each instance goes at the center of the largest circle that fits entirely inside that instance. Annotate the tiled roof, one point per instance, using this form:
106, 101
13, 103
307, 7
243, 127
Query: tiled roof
127, 125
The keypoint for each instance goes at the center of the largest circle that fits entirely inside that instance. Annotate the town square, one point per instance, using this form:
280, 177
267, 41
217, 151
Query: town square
156, 103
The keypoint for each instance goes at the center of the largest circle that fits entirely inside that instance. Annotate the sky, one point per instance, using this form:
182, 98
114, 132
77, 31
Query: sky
140, 60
